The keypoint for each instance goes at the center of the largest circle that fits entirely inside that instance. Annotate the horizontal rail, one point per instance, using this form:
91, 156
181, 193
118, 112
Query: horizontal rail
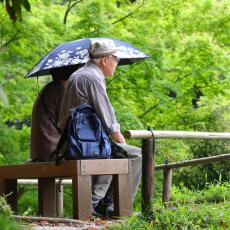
144, 134
35, 181
204, 160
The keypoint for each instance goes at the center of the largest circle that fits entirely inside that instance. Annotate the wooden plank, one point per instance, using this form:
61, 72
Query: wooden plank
82, 195
122, 192
47, 197
104, 167
64, 169
35, 170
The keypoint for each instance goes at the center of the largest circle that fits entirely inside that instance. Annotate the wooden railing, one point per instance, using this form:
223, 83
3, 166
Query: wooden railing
148, 166
167, 170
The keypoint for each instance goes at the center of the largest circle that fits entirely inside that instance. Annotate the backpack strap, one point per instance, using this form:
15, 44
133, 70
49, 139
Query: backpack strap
60, 143
49, 114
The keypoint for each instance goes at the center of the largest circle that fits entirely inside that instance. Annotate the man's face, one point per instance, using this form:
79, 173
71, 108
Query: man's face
110, 64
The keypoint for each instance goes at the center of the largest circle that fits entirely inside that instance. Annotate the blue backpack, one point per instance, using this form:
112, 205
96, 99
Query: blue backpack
85, 136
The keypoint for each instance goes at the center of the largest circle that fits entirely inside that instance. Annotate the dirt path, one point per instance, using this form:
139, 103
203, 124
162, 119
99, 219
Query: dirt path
44, 223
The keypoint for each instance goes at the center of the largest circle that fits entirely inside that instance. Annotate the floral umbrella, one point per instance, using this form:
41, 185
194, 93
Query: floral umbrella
75, 53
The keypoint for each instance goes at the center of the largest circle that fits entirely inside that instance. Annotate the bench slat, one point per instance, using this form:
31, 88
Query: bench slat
106, 166
36, 170
65, 169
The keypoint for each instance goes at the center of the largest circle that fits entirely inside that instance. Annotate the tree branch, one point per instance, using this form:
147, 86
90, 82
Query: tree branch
123, 18
147, 111
128, 15
69, 7
129, 88
13, 38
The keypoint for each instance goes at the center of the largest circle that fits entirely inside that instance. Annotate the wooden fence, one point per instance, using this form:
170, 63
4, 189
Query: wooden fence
148, 166
167, 170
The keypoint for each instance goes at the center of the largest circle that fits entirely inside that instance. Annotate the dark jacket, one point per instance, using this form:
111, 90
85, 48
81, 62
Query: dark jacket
44, 134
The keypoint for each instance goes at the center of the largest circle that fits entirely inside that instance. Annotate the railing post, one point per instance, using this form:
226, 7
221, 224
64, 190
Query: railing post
59, 199
167, 185
148, 147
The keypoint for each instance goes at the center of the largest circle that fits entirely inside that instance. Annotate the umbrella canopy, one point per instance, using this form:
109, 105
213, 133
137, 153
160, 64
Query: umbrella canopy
75, 53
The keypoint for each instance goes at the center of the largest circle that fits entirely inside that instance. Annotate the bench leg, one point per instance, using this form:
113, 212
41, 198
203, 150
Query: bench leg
47, 197
122, 192
82, 195
8, 187
2, 187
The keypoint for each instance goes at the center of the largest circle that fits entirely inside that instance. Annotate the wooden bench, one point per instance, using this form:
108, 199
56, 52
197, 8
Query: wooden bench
80, 171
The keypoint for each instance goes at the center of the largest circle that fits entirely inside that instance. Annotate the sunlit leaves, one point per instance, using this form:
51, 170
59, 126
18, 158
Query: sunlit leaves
184, 85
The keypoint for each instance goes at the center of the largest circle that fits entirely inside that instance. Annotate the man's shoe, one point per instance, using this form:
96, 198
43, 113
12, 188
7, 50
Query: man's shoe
110, 210
97, 212
105, 210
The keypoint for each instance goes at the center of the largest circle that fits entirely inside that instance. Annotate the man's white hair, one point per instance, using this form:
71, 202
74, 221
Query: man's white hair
96, 61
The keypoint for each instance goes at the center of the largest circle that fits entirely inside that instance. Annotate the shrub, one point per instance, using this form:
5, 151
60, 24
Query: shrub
4, 207
6, 223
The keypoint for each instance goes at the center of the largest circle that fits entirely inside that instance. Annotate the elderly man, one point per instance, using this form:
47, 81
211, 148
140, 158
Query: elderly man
87, 85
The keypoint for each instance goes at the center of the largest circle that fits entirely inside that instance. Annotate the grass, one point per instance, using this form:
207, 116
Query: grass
7, 223
5, 209
205, 209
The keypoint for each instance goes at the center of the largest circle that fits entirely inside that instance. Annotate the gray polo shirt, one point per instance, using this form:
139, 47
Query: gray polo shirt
87, 85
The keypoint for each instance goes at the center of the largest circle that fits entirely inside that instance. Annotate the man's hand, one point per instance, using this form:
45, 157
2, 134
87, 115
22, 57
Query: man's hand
118, 137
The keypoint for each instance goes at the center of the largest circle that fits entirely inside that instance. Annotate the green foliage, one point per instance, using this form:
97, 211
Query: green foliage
213, 193
93, 26
3, 97
68, 205
200, 176
13, 145
206, 209
8, 223
4, 207
28, 201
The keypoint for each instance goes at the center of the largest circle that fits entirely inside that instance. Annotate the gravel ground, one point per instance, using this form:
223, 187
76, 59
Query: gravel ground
42, 223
